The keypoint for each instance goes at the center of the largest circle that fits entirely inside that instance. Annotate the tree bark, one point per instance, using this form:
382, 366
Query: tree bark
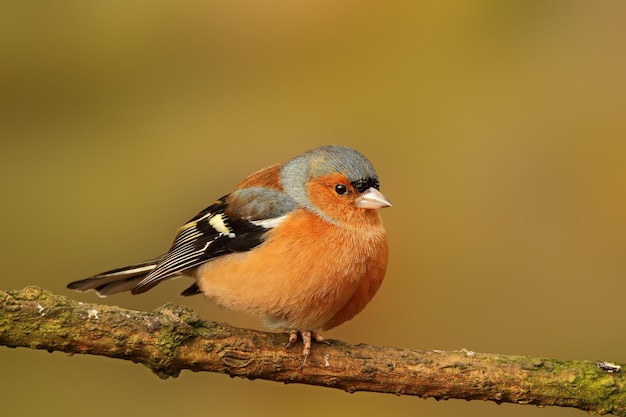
172, 338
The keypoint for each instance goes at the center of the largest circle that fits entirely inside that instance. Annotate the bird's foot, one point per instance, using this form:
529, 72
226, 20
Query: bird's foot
307, 337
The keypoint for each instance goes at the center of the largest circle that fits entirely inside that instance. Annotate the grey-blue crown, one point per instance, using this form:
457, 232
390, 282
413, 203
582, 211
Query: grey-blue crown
326, 160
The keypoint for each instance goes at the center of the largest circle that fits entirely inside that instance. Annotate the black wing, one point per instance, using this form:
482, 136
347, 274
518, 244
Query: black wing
236, 222
211, 233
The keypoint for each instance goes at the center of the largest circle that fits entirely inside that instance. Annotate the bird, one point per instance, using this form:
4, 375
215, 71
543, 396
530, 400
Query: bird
300, 244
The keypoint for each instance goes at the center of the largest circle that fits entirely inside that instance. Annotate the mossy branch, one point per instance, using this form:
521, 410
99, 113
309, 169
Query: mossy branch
173, 338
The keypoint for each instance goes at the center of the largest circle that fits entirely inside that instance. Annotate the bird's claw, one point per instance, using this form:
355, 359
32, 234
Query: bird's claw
307, 337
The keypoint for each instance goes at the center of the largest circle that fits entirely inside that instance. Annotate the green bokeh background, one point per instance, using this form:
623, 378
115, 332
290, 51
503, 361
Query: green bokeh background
497, 128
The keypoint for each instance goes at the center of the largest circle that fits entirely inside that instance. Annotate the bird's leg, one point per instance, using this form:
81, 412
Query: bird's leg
307, 337
318, 338
293, 337
306, 343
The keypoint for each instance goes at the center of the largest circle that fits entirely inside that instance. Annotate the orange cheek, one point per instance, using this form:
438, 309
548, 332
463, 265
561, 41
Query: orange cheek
324, 197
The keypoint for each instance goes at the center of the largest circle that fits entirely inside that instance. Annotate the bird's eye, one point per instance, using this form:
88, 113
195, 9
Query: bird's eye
341, 189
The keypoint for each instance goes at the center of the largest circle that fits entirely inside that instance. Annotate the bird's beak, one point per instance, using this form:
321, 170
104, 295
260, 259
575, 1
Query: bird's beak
372, 199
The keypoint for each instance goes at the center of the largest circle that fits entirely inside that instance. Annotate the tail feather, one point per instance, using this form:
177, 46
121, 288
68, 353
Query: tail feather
116, 280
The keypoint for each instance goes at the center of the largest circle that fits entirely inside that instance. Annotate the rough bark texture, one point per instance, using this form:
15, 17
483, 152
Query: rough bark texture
173, 338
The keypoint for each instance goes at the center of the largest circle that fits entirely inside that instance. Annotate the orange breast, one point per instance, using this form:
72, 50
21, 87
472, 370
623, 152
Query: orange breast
308, 274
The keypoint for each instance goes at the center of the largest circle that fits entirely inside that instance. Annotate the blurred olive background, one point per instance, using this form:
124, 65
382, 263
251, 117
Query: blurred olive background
497, 128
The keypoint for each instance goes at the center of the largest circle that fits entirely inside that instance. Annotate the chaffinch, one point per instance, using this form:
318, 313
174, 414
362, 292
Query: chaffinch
299, 244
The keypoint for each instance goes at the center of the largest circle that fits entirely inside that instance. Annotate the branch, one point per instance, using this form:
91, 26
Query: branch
173, 338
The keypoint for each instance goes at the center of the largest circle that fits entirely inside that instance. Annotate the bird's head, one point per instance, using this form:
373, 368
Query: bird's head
336, 182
